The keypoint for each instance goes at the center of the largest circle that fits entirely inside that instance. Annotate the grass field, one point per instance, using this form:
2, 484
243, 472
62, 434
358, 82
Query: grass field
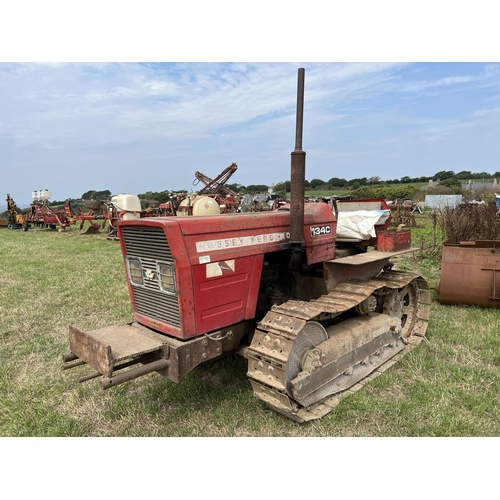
448, 386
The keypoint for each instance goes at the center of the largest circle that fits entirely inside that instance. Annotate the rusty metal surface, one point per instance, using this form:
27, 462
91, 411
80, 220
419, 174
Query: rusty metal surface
303, 310
107, 349
94, 228
354, 267
470, 274
298, 170
341, 364
368, 257
104, 348
286, 325
157, 365
217, 185
390, 241
362, 266
217, 189
401, 326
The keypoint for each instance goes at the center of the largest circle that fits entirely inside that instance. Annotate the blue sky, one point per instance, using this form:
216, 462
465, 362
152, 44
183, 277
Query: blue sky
136, 127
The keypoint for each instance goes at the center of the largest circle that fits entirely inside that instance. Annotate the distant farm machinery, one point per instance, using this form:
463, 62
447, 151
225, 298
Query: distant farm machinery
15, 217
42, 215
91, 211
228, 200
212, 199
404, 211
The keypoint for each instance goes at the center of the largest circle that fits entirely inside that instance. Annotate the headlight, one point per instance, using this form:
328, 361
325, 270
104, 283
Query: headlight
167, 277
135, 271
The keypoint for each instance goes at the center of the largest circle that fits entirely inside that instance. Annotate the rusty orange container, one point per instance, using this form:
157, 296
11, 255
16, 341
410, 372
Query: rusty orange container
392, 241
470, 274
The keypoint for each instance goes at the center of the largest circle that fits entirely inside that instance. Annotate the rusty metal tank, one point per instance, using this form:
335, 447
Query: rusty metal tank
470, 273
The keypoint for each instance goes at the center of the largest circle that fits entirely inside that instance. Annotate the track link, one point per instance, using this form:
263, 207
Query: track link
274, 345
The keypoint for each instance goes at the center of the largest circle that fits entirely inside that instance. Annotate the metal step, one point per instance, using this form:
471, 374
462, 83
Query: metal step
104, 348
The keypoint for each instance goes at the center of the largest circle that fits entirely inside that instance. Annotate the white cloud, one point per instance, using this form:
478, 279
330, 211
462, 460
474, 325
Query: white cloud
114, 116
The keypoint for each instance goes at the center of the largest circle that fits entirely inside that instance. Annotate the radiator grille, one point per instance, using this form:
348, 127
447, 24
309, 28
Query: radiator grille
150, 245
146, 243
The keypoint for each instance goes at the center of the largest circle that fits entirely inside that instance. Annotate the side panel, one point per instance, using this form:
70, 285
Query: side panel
233, 236
223, 290
320, 229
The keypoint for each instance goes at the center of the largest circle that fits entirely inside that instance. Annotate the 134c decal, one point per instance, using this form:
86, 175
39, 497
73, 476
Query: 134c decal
319, 230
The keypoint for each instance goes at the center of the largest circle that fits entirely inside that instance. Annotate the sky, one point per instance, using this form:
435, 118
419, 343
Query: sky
130, 127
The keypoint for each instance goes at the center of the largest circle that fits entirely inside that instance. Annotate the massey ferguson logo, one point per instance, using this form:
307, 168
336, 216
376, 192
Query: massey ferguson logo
149, 274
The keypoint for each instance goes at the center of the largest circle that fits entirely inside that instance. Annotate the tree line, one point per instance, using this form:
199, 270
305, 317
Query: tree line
357, 187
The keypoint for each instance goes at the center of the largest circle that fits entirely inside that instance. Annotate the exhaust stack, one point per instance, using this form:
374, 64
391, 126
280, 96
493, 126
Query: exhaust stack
298, 173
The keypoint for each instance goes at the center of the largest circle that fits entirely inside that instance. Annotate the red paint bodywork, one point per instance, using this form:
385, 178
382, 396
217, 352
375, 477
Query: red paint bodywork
391, 241
234, 246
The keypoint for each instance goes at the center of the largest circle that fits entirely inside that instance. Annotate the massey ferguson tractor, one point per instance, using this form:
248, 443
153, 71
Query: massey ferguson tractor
315, 311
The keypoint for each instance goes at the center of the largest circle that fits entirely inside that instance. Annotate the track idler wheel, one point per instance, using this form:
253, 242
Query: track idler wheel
304, 348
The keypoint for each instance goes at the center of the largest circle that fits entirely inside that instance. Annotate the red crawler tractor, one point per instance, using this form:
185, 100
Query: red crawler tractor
310, 308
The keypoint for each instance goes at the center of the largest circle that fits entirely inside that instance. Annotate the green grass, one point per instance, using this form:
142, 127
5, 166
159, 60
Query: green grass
332, 192
313, 193
448, 386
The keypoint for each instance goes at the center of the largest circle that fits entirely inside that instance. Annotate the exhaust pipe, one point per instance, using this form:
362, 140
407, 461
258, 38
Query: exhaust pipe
297, 179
